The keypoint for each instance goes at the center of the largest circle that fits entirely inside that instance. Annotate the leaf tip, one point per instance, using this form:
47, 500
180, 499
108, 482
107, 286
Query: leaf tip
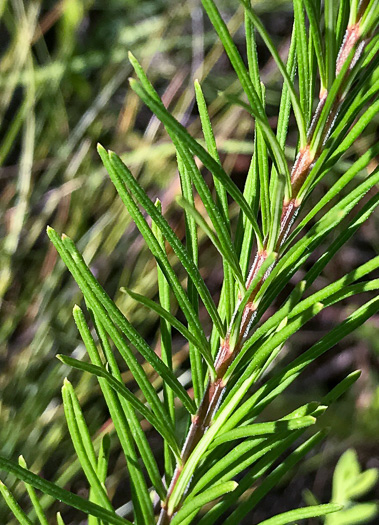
100, 148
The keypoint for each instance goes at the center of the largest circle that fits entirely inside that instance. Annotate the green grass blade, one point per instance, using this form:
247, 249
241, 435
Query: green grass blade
291, 516
61, 494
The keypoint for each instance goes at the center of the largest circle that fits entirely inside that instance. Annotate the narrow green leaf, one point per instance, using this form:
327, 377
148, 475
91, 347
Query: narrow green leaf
172, 320
202, 499
82, 444
341, 388
272, 479
221, 194
263, 351
264, 182
196, 149
330, 41
60, 519
236, 327
166, 343
244, 78
259, 429
124, 392
13, 505
226, 254
300, 514
191, 240
268, 455
123, 179
284, 378
33, 497
197, 368
123, 416
278, 192
302, 57
317, 41
60, 494
299, 115
319, 134
128, 428
342, 21
103, 458
102, 303
216, 217
336, 189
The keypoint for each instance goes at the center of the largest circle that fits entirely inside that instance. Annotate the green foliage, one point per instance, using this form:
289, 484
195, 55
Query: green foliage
350, 484
217, 436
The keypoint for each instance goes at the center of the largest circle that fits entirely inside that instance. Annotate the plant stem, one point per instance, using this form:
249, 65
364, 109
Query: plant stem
300, 171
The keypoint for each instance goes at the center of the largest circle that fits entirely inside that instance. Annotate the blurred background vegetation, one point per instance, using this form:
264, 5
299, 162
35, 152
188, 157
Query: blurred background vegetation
63, 88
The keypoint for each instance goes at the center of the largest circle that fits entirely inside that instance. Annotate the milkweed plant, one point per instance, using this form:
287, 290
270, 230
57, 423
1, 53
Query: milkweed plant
212, 460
